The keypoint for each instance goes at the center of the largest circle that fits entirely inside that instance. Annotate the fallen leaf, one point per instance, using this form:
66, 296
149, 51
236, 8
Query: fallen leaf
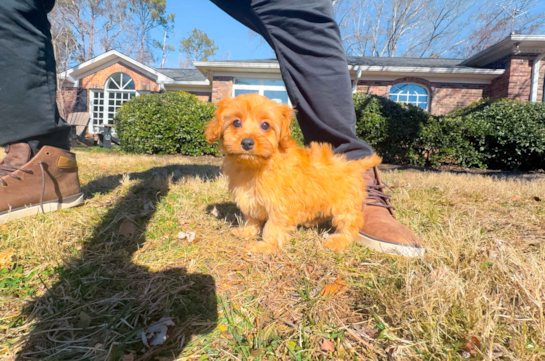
370, 332
3, 227
327, 346
516, 198
472, 344
126, 229
292, 345
333, 289
5, 256
156, 334
129, 357
84, 320
537, 199
190, 236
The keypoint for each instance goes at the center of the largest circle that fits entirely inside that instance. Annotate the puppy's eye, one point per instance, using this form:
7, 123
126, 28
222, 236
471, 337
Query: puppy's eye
265, 126
237, 124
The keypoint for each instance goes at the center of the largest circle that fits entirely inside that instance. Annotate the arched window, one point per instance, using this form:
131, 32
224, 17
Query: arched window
120, 81
118, 89
410, 94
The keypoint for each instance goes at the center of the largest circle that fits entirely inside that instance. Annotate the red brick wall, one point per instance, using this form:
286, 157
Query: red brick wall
98, 80
444, 97
204, 96
222, 86
515, 82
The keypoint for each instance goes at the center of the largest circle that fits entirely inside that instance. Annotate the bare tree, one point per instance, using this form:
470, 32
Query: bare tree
83, 17
115, 25
496, 20
165, 48
432, 28
148, 15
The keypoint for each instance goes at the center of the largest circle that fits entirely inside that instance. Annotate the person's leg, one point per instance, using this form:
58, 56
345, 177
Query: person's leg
38, 174
28, 107
307, 43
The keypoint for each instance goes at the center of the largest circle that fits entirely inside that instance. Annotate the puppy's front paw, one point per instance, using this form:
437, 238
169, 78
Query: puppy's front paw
262, 247
337, 242
245, 232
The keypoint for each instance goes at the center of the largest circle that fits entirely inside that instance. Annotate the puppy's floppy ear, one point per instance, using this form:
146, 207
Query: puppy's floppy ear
285, 128
215, 126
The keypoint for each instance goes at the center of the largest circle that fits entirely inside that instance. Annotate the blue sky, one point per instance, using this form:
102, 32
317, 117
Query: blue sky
228, 34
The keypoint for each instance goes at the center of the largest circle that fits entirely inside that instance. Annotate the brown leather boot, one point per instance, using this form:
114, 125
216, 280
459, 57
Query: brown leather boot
45, 183
17, 155
382, 232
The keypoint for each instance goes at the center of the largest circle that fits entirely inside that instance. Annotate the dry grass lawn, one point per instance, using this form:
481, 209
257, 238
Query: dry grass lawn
83, 284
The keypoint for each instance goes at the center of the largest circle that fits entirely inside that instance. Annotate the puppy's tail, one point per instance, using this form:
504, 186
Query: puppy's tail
369, 162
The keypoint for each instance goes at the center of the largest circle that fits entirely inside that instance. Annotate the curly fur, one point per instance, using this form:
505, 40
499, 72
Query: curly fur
281, 185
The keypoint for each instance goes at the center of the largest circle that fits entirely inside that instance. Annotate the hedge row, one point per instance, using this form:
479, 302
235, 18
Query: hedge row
499, 134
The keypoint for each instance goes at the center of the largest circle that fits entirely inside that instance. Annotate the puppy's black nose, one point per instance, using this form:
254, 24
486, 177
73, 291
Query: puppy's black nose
247, 143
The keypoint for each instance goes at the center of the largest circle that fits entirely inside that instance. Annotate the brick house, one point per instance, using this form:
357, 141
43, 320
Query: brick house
513, 68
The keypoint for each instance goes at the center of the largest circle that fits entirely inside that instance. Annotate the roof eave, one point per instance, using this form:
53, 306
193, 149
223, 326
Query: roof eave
503, 48
78, 71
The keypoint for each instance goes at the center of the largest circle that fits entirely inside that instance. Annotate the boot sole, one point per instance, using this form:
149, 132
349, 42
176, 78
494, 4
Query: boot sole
391, 248
34, 209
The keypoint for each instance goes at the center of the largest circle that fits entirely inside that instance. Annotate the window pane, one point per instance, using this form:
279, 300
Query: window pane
278, 96
248, 81
403, 98
422, 105
419, 90
273, 82
393, 97
412, 98
245, 91
129, 85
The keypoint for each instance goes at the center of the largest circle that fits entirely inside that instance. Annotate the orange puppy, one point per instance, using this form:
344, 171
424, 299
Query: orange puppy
277, 183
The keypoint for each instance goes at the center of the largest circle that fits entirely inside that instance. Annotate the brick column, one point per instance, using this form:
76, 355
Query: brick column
515, 82
222, 86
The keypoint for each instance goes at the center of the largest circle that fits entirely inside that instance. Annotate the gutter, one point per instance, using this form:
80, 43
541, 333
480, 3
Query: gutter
535, 77
358, 76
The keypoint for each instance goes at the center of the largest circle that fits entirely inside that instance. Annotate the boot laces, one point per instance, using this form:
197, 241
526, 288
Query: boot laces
376, 196
6, 170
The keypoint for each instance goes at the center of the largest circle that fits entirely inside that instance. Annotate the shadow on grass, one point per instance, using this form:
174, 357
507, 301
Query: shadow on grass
103, 301
229, 212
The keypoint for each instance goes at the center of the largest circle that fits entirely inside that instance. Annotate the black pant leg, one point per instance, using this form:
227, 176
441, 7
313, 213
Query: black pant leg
307, 43
28, 107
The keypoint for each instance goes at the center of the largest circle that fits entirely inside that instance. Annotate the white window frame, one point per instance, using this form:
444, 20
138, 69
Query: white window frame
261, 88
106, 95
417, 95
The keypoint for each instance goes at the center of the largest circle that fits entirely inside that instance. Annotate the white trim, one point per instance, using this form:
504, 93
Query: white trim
421, 69
235, 64
368, 68
535, 77
261, 88
76, 72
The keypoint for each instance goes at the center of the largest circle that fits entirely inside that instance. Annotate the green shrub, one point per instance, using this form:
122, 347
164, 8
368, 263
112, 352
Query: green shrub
507, 134
499, 134
165, 123
392, 129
